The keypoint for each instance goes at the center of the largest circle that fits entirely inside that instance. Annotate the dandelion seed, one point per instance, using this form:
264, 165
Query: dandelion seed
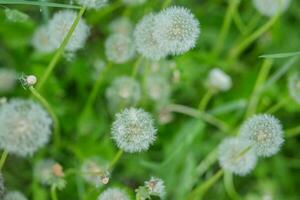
134, 2
119, 48
25, 127
147, 45
121, 25
40, 40
219, 80
93, 4
2, 188
176, 29
97, 67
60, 25
14, 195
133, 130
270, 8
156, 187
294, 87
265, 134
8, 78
235, 157
113, 194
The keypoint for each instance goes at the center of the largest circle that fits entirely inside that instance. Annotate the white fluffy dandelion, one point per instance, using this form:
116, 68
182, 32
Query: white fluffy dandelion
8, 79
271, 7
265, 134
156, 187
176, 29
113, 194
14, 195
294, 86
40, 40
134, 2
93, 4
236, 156
2, 188
146, 44
219, 80
119, 48
133, 130
60, 25
121, 25
25, 127
158, 88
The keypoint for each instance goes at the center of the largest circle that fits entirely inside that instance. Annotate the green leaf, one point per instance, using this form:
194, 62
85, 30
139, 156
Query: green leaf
281, 55
39, 3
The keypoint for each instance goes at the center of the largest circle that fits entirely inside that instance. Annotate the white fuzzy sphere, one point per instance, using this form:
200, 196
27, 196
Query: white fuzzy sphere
113, 194
294, 87
271, 7
176, 29
60, 25
25, 127
40, 40
121, 25
146, 44
93, 4
158, 88
234, 158
156, 187
219, 80
8, 79
14, 195
2, 188
134, 2
31, 80
119, 48
133, 130
265, 134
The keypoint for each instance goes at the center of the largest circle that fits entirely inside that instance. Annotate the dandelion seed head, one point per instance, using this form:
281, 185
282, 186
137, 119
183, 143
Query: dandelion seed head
119, 48
8, 78
156, 187
219, 80
264, 133
31, 80
134, 2
158, 88
133, 130
60, 25
121, 25
146, 44
294, 86
40, 40
93, 4
25, 127
14, 195
176, 29
113, 194
233, 157
270, 8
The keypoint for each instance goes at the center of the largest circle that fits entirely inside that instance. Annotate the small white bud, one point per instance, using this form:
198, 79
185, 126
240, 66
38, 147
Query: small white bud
31, 80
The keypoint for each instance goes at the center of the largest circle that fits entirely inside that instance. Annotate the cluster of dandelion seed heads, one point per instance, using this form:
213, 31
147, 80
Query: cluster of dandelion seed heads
271, 7
133, 130
119, 48
93, 4
25, 127
113, 194
60, 25
121, 25
8, 79
156, 187
40, 40
294, 86
95, 171
264, 133
158, 88
14, 195
124, 91
219, 80
2, 188
134, 2
236, 156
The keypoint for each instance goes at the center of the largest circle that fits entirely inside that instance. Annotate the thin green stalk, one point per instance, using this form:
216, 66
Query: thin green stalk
292, 132
236, 51
45, 12
278, 105
253, 23
208, 161
3, 159
239, 23
45, 103
166, 4
60, 50
116, 159
229, 186
205, 100
136, 67
39, 3
53, 193
262, 76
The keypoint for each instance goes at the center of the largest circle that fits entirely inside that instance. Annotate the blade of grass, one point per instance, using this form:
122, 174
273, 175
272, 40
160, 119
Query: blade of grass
39, 3
281, 55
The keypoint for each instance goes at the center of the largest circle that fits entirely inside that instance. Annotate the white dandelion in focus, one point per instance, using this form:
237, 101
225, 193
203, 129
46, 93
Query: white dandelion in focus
60, 25
93, 4
270, 8
113, 194
40, 40
156, 187
121, 25
294, 86
25, 127
8, 79
119, 48
134, 2
176, 29
133, 130
219, 80
146, 44
14, 195
237, 156
264, 133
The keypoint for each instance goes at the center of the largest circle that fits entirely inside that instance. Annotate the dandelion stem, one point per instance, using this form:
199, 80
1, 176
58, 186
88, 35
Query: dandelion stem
60, 50
205, 100
45, 103
39, 3
116, 159
136, 67
278, 105
3, 159
292, 132
53, 193
208, 161
166, 3
239, 23
229, 186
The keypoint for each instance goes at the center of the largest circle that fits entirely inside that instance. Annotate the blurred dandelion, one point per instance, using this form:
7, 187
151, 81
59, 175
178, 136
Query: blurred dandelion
271, 7
93, 4
294, 86
8, 79
40, 40
156, 187
134, 2
219, 80
113, 194
14, 195
158, 88
2, 188
121, 25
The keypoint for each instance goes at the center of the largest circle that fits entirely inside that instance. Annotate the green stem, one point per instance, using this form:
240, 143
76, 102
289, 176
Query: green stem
239, 23
39, 3
60, 50
166, 4
115, 159
278, 105
292, 132
229, 186
45, 12
45, 103
3, 159
208, 161
53, 193
205, 100
262, 76
136, 67
252, 24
